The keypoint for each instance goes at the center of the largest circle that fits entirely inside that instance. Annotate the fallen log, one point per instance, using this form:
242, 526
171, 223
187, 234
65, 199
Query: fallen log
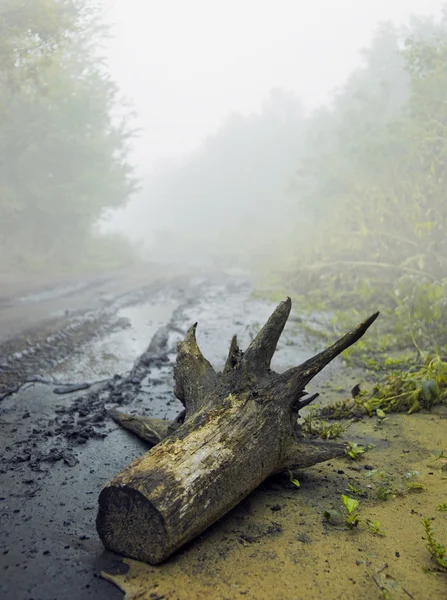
238, 428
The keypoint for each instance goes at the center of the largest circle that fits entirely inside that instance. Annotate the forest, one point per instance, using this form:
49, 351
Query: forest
374, 183
64, 136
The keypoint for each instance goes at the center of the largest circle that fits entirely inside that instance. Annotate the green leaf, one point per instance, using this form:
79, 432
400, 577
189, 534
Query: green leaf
333, 517
430, 389
349, 503
295, 482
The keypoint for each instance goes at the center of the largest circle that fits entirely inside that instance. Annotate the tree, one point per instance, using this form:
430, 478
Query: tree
63, 152
376, 184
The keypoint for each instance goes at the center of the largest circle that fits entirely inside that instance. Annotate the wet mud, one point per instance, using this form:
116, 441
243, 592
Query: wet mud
58, 447
40, 331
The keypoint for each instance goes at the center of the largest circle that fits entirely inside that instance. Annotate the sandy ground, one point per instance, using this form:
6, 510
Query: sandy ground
276, 544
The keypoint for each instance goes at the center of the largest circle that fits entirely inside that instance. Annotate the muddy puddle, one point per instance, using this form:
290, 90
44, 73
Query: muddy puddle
220, 312
116, 352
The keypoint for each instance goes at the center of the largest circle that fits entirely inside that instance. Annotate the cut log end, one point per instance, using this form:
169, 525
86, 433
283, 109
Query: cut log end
128, 523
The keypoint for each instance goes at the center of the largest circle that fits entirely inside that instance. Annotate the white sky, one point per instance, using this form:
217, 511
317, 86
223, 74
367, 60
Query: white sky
187, 64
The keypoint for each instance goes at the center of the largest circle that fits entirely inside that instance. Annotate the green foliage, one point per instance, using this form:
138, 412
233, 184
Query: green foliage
354, 451
442, 507
437, 550
384, 493
411, 390
349, 503
62, 146
400, 391
412, 486
294, 481
389, 488
374, 527
313, 426
380, 415
348, 515
354, 490
420, 313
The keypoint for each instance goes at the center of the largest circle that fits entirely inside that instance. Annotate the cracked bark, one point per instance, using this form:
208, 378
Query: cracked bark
238, 427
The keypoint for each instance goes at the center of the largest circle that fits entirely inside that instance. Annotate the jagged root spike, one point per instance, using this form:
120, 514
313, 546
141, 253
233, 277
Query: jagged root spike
300, 404
194, 376
234, 355
259, 354
297, 378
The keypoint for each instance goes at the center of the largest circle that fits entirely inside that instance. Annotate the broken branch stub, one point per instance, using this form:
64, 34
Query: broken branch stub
195, 378
238, 428
260, 352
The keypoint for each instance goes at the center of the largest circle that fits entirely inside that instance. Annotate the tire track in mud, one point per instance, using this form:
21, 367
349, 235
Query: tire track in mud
35, 353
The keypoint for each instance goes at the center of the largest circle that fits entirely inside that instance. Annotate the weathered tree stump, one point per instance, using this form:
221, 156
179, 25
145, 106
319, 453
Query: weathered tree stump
238, 428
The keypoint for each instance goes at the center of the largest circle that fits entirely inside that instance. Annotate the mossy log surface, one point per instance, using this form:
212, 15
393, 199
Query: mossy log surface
238, 427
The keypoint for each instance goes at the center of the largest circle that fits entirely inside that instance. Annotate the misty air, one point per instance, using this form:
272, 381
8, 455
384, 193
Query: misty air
223, 296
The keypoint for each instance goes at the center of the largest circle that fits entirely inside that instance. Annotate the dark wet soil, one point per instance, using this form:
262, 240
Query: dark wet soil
39, 331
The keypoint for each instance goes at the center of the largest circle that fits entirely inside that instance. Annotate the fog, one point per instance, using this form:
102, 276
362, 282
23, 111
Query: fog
187, 65
189, 68
230, 133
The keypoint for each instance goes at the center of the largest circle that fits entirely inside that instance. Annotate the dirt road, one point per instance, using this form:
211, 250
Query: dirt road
57, 450
41, 326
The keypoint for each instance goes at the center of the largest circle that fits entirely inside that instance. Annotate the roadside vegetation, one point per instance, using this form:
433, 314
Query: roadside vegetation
64, 138
373, 188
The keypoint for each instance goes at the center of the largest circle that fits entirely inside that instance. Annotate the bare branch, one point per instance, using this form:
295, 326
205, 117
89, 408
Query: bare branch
369, 263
